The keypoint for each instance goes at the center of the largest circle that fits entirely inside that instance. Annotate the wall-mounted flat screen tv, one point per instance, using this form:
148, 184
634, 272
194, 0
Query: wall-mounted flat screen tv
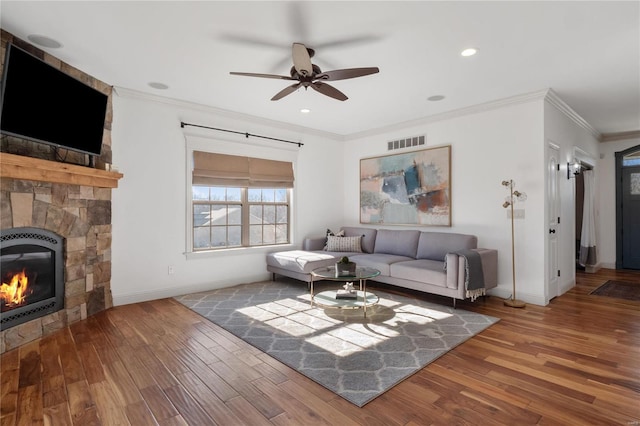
43, 104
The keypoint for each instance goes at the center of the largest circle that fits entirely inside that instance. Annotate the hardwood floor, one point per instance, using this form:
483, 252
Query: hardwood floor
573, 362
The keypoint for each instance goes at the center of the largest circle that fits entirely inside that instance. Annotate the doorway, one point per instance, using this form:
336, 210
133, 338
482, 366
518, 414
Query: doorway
579, 188
628, 208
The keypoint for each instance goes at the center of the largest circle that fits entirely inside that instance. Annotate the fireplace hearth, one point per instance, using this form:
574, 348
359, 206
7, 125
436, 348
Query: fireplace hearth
32, 273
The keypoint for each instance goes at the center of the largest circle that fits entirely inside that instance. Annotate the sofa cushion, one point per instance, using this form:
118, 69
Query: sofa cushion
398, 242
300, 260
436, 245
349, 244
368, 236
421, 270
379, 261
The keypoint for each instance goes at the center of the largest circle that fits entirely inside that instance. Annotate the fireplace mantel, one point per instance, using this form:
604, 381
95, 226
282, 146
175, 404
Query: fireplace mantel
29, 168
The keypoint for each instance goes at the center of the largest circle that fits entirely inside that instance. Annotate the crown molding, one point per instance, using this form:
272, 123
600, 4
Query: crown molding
619, 136
448, 115
553, 98
134, 94
547, 95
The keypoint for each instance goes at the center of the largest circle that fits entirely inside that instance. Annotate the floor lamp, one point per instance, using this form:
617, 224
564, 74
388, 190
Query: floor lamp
508, 203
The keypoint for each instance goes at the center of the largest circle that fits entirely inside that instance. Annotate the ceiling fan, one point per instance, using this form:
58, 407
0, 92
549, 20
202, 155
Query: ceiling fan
310, 75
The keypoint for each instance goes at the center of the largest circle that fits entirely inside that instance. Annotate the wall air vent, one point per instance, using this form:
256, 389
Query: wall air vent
406, 143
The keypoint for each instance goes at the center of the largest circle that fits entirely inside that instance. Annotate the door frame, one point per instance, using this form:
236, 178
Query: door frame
619, 156
585, 159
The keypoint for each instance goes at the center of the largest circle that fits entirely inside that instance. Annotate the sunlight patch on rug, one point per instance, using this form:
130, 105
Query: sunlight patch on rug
357, 358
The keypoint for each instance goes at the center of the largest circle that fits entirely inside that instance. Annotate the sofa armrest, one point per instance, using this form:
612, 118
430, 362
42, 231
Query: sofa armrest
313, 244
455, 269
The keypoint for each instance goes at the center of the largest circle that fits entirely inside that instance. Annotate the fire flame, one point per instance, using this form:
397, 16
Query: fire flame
15, 292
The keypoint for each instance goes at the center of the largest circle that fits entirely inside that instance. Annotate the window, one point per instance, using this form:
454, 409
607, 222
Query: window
268, 216
227, 217
240, 201
631, 160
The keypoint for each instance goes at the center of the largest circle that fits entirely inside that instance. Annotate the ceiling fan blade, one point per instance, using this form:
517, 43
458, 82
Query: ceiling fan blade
286, 91
346, 73
297, 20
352, 41
330, 91
301, 59
251, 41
251, 74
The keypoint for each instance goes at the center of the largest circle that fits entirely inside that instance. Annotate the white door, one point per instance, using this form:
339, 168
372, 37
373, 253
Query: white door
553, 202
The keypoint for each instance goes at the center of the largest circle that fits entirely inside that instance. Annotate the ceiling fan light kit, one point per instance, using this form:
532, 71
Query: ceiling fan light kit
308, 75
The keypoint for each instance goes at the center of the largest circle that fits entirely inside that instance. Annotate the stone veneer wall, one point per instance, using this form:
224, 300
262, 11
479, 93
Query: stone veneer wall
80, 214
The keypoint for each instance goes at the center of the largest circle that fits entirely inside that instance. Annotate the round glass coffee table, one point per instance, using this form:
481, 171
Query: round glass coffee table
329, 299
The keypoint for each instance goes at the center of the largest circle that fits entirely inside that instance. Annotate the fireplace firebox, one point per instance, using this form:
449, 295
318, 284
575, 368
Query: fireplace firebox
32, 273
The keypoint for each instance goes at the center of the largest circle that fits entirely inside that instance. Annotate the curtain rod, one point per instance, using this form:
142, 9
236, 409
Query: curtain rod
182, 124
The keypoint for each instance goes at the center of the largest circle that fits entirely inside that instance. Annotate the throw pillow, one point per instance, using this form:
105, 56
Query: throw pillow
352, 244
331, 234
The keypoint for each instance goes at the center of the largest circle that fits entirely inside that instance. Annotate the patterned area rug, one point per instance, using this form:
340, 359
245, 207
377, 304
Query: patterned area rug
619, 289
357, 358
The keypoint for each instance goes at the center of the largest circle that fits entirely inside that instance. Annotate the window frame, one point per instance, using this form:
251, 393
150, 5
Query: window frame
198, 140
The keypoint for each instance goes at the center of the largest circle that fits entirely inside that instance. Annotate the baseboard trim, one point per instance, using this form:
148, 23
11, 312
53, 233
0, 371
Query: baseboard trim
593, 269
566, 287
505, 293
163, 293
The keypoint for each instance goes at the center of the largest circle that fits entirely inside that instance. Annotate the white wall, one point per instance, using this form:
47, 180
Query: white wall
607, 203
149, 206
575, 141
487, 147
490, 143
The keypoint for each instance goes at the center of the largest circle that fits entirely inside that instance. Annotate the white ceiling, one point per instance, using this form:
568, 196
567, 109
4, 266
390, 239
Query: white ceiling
587, 52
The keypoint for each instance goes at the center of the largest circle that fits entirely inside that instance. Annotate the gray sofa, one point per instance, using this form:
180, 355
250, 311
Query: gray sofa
406, 258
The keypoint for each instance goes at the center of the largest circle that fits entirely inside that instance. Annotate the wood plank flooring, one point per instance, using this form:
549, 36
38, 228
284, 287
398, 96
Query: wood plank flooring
573, 362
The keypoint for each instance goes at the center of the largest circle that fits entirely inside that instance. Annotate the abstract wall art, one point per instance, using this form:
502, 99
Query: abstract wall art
411, 188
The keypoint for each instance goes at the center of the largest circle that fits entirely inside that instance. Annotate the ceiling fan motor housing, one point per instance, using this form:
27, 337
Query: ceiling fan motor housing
315, 71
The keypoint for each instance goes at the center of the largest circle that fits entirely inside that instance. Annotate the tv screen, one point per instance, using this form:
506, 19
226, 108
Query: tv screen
43, 104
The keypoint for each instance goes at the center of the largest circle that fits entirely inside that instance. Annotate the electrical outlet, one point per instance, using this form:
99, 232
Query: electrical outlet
170, 270
517, 214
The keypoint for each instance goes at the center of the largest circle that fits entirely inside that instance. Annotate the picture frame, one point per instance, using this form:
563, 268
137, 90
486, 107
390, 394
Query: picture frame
409, 188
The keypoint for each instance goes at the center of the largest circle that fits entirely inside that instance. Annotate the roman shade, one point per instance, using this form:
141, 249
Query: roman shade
233, 170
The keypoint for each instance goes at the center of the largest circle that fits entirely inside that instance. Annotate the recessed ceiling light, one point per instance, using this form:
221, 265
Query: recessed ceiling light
159, 86
435, 98
44, 41
305, 110
469, 52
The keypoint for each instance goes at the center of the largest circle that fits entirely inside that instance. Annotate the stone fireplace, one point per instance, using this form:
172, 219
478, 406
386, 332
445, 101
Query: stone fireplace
81, 216
64, 201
